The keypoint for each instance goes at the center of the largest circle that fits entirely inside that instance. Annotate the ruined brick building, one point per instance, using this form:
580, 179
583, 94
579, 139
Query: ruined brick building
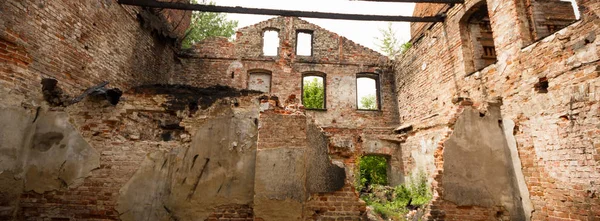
499, 105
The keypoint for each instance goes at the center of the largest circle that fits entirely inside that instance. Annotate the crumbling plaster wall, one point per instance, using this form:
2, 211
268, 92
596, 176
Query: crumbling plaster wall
555, 133
478, 168
39, 151
295, 177
154, 152
215, 168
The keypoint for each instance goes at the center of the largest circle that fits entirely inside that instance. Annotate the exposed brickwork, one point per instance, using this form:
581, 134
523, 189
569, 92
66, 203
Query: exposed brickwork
550, 89
555, 132
232, 213
216, 61
80, 44
340, 205
270, 127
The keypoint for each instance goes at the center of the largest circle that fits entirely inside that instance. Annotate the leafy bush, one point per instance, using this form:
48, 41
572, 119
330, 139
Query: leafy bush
393, 202
372, 171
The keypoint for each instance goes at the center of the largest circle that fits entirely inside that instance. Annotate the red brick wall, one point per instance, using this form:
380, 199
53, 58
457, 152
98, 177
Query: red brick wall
556, 133
232, 212
339, 205
80, 43
216, 61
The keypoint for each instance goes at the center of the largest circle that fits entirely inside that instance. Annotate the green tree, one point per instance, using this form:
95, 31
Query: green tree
313, 93
207, 24
373, 171
389, 44
368, 102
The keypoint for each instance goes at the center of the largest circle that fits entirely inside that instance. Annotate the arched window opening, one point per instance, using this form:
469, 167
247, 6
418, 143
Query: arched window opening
549, 16
304, 43
313, 91
260, 81
478, 39
367, 91
270, 42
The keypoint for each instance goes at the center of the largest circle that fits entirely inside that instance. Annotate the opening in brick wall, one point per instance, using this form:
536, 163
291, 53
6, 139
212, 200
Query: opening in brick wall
390, 202
304, 43
546, 17
259, 80
270, 42
367, 91
477, 39
313, 91
373, 170
542, 85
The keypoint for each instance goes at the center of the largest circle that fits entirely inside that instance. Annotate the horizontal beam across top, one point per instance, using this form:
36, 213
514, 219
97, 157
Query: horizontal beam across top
421, 1
276, 12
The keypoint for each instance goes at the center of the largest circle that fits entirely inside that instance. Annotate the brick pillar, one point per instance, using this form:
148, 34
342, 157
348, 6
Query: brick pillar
280, 177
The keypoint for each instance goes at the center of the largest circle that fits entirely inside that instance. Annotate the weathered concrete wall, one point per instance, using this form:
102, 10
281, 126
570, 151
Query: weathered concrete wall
557, 155
322, 175
40, 151
146, 146
477, 164
216, 168
291, 165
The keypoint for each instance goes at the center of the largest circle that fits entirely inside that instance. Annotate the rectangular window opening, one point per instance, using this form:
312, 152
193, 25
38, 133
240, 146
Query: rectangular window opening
270, 43
367, 92
313, 92
304, 43
550, 16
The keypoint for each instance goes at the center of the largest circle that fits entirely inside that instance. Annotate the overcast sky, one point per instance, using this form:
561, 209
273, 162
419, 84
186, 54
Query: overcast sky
362, 32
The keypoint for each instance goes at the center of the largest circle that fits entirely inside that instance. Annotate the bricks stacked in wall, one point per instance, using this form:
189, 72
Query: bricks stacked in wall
219, 62
556, 131
80, 44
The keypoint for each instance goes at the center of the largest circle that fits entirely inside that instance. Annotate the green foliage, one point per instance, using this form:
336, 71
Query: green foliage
372, 171
368, 102
313, 96
416, 189
404, 47
389, 44
392, 202
390, 210
207, 24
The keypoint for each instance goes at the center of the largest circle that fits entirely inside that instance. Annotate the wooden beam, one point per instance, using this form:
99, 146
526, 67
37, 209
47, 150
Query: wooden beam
421, 1
275, 12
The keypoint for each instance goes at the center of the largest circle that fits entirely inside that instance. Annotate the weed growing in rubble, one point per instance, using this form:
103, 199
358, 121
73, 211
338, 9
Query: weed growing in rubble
395, 202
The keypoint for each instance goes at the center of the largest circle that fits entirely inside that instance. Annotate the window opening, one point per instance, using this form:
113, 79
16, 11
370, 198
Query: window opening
313, 92
270, 43
373, 171
549, 16
367, 92
304, 43
478, 39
